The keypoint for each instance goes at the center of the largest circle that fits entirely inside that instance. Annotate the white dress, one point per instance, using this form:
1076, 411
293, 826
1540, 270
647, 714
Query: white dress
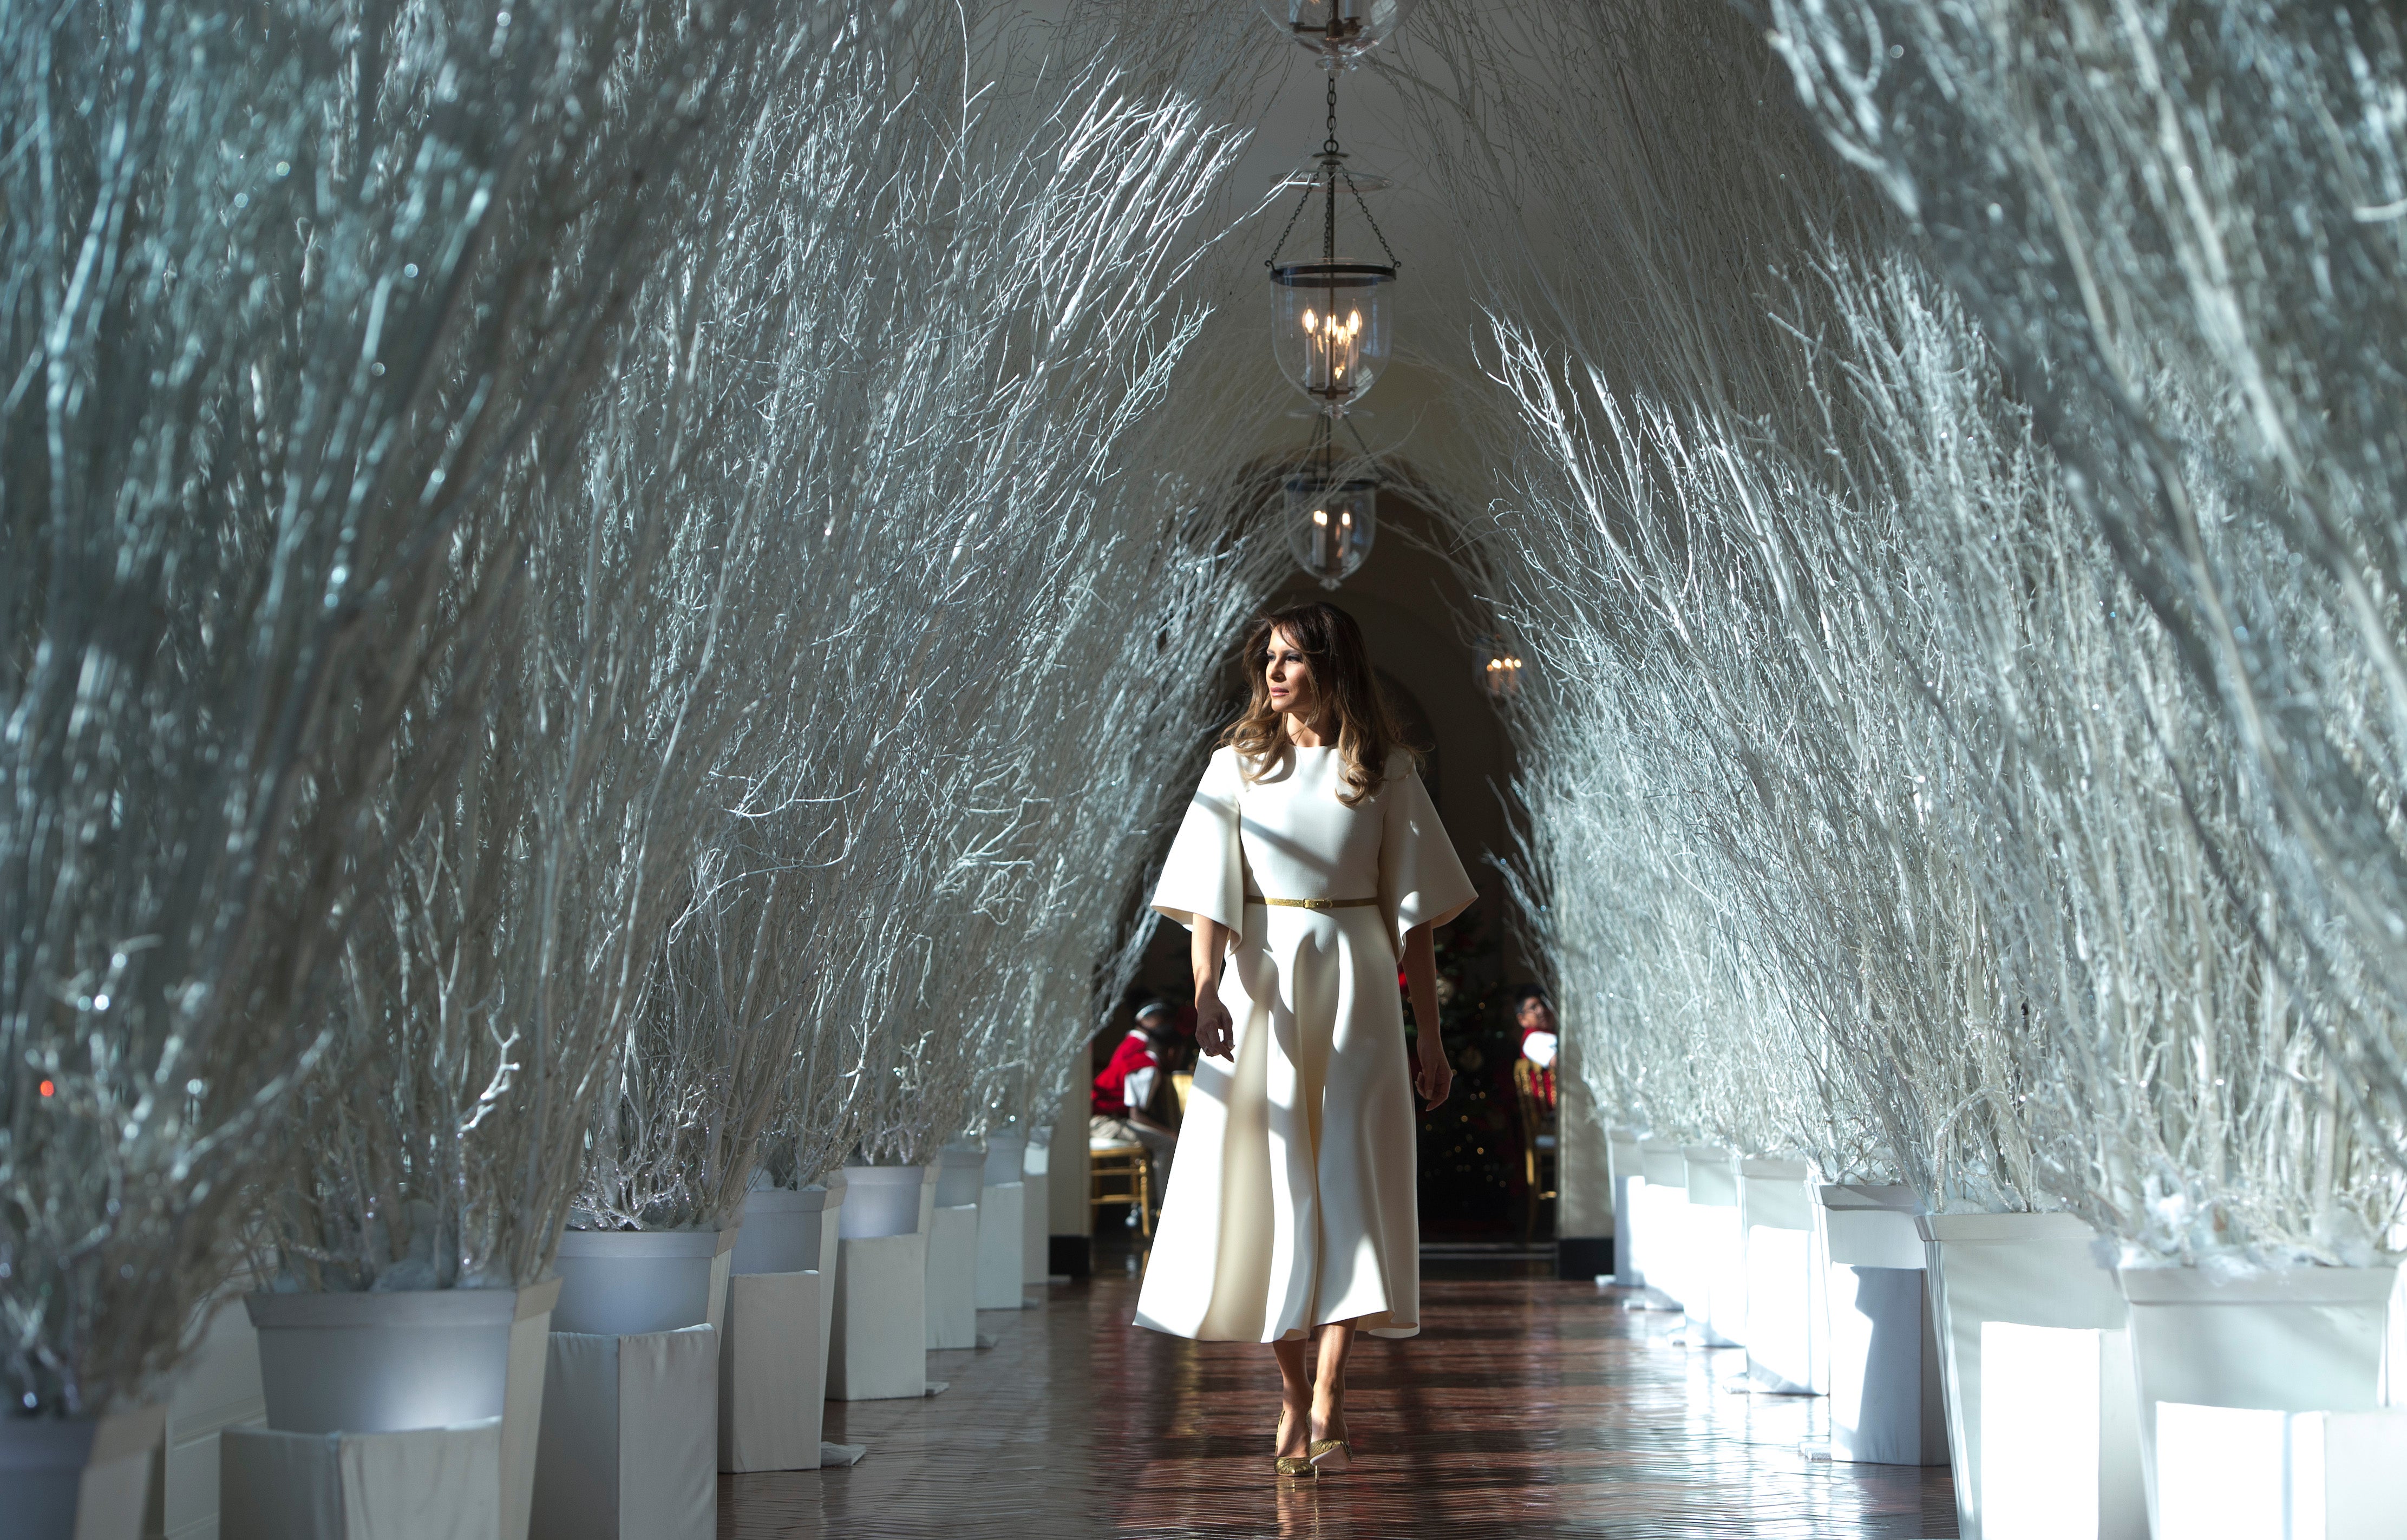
1291, 1202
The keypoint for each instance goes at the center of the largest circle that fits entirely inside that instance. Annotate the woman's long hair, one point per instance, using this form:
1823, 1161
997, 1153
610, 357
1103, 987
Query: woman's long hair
1343, 687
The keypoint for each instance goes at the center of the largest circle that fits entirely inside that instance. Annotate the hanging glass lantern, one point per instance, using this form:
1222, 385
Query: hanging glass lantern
1340, 31
1331, 318
1330, 524
1333, 329
1500, 670
1333, 511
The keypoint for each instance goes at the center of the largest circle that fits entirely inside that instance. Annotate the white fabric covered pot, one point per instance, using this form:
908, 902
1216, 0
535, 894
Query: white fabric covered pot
881, 1200
409, 1359
1035, 1214
1718, 1242
782, 1230
1005, 1216
78, 1478
2305, 1339
1663, 1220
952, 1276
878, 1347
2229, 1471
2025, 1270
2059, 1443
831, 1240
1626, 1165
429, 1481
1888, 1403
1787, 1326
634, 1283
630, 1438
214, 1389
772, 1371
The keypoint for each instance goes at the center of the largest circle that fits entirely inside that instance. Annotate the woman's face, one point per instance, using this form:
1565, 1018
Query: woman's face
1289, 675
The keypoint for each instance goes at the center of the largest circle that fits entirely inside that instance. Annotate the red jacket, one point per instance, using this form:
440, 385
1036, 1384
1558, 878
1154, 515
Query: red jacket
1110, 1098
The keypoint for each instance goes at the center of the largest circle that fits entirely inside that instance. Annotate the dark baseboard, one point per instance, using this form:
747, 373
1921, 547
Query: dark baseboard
1578, 1257
1070, 1257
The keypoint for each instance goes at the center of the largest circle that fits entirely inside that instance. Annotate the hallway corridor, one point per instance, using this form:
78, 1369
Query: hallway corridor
1526, 1407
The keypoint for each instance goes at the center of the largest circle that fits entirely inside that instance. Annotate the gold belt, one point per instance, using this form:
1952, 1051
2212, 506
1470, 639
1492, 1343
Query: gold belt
1312, 903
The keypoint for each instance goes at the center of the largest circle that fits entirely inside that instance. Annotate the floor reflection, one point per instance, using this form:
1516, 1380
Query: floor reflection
1526, 1407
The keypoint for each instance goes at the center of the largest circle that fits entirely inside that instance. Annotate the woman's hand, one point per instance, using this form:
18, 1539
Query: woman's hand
1433, 1078
1215, 1034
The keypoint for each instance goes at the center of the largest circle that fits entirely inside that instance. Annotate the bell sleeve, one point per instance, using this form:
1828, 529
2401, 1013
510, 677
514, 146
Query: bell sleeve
1421, 880
1204, 877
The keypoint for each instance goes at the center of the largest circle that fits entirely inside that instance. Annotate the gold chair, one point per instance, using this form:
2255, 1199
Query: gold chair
1180, 1084
1122, 1174
1539, 1139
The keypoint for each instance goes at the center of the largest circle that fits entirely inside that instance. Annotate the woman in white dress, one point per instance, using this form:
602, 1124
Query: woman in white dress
1310, 862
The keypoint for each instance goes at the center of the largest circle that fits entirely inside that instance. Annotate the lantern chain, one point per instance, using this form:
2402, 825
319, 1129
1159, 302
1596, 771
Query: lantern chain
1272, 261
1329, 153
1392, 259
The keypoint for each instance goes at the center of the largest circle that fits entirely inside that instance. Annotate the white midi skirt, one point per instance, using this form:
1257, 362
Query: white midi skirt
1291, 1202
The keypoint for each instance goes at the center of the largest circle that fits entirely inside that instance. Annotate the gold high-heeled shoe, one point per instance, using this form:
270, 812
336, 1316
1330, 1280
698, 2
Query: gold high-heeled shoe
1336, 1453
1293, 1465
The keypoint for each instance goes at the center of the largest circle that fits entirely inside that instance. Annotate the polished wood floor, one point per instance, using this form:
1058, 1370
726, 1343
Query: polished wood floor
1525, 1407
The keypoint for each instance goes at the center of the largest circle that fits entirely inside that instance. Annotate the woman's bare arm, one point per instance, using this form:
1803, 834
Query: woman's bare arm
1215, 1033
1434, 1078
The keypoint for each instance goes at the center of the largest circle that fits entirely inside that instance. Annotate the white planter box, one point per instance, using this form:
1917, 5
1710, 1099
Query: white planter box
1787, 1326
2030, 1270
410, 1360
953, 1276
1036, 1180
1717, 1240
80, 1479
1662, 1204
1625, 1166
215, 1387
772, 1373
1888, 1404
2306, 1339
831, 1227
634, 1282
877, 1349
428, 1484
630, 1438
1003, 1240
1663, 1224
2233, 1474
2060, 1442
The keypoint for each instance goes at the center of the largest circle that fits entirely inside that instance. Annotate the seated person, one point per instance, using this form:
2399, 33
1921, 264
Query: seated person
1539, 1038
1122, 1104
